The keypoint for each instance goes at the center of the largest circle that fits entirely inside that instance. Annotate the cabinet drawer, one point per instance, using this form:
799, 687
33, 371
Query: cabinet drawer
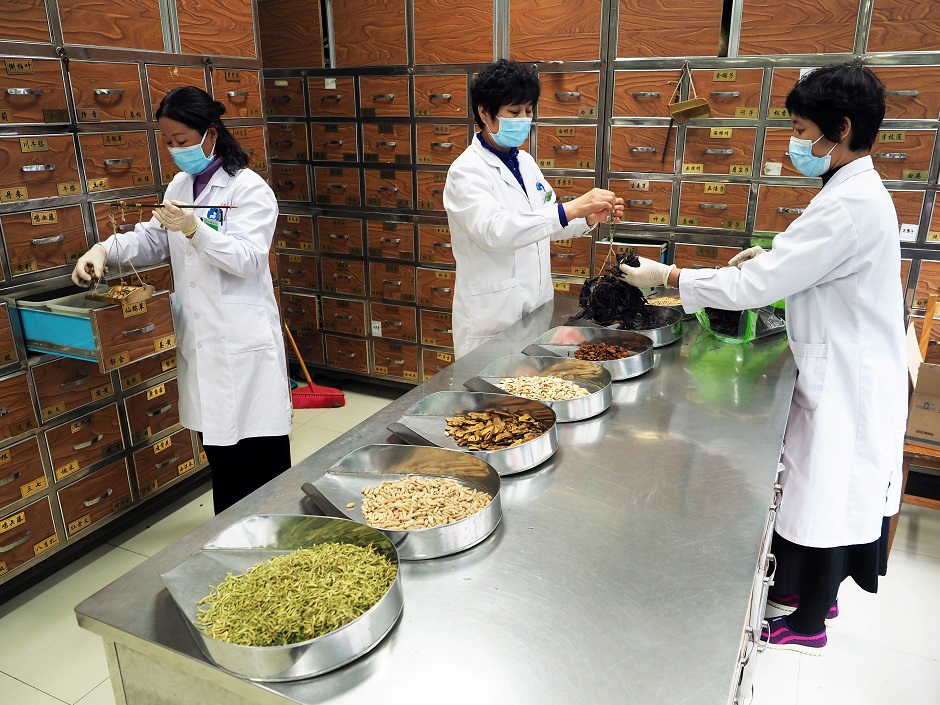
335, 142
933, 231
290, 33
929, 279
781, 84
569, 147
399, 360
643, 93
294, 232
342, 236
571, 256
398, 322
130, 24
433, 361
731, 93
434, 244
230, 20
152, 410
604, 251
32, 90
166, 166
436, 287
300, 311
904, 25
383, 96
392, 281
121, 340
343, 276
337, 187
386, 143
444, 35
641, 149
568, 95
388, 189
239, 91
555, 30
776, 158
713, 205
771, 27
440, 144
83, 442
24, 21
344, 316
568, 188
160, 277
391, 240
145, 370
644, 201
284, 97
908, 205
903, 154
21, 471
719, 150
347, 353
290, 182
162, 79
95, 497
911, 92
8, 352
310, 344
18, 415
689, 255
38, 240
431, 190
26, 534
441, 96
288, 141
778, 206
437, 328
161, 463
122, 224
41, 166
669, 28
106, 91
369, 33
332, 97
253, 142
116, 160
66, 384
905, 273
299, 271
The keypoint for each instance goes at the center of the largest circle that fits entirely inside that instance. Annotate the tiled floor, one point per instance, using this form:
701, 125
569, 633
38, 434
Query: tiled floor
881, 651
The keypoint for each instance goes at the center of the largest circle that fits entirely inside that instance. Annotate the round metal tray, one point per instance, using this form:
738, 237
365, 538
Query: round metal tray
371, 465
256, 539
564, 341
664, 291
587, 375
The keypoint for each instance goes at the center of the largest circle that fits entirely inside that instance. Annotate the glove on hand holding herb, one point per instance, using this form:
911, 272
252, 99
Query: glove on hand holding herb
746, 255
647, 274
172, 217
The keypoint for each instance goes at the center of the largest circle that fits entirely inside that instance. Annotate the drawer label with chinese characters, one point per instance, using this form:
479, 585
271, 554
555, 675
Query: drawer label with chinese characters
44, 218
68, 188
54, 410
165, 343
19, 67
12, 194
69, 469
5, 456
157, 391
101, 392
714, 188
131, 380
693, 168
45, 545
144, 491
98, 184
33, 487
184, 468
168, 364
79, 524
161, 446
721, 133
11, 522
134, 309
33, 144
22, 426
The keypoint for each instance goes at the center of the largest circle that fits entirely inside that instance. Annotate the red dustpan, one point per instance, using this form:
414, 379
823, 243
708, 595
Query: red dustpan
313, 396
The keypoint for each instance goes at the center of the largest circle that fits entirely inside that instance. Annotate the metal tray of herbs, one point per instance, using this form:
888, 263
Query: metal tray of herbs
563, 341
256, 539
425, 422
670, 292
667, 332
590, 376
371, 465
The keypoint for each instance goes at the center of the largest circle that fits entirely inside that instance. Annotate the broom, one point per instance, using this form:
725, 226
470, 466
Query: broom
315, 396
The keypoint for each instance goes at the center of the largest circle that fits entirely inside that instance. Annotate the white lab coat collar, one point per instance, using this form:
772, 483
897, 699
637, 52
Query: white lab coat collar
498, 164
848, 171
532, 194
220, 180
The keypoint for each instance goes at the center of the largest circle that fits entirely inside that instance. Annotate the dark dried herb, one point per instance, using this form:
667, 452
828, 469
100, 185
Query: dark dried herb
608, 299
724, 322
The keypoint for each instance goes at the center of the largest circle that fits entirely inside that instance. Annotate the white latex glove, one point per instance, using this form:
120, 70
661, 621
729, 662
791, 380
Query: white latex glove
745, 255
90, 265
171, 217
649, 274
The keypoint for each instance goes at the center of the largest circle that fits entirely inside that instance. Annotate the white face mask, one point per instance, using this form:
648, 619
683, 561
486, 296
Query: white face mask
804, 161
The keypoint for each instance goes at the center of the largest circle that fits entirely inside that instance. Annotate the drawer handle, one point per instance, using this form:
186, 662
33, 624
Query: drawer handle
442, 289
283, 142
343, 317
887, 155
10, 478
787, 209
47, 240
237, 94
25, 91
713, 206
645, 150
723, 152
296, 310
725, 94
176, 456
337, 236
333, 143
566, 147
383, 96
295, 271
390, 189
438, 96
443, 330
19, 542
334, 96
336, 187
282, 98
115, 162
568, 94
646, 94
345, 354
635, 202
75, 382
437, 192
390, 240
396, 324
384, 143
161, 410
562, 255
286, 184
38, 167
290, 233
98, 500
396, 363
109, 91
88, 444
565, 199
392, 282
442, 145
445, 245
347, 277
4, 411
140, 331
906, 94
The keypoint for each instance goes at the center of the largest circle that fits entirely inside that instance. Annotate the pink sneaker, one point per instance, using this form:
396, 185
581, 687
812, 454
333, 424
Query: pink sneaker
780, 636
789, 603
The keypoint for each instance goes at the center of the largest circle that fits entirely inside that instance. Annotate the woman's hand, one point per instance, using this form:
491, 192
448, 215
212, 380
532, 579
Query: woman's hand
594, 206
90, 265
171, 217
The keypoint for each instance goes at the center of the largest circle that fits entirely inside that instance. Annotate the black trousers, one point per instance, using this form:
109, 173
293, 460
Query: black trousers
239, 470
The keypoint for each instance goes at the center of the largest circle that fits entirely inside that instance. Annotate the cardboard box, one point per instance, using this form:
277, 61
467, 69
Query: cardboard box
923, 421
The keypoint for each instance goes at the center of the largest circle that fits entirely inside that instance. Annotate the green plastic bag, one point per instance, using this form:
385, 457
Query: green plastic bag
739, 327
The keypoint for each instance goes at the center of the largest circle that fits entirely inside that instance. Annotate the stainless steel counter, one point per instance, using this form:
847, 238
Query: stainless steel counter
620, 573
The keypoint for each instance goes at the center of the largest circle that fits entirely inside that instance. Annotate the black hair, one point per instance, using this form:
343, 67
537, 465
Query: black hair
829, 95
195, 108
503, 83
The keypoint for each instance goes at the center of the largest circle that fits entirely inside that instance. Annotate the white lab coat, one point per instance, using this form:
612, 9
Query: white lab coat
499, 235
231, 364
837, 267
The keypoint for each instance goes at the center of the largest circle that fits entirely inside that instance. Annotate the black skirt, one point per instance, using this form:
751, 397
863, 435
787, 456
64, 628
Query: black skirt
820, 571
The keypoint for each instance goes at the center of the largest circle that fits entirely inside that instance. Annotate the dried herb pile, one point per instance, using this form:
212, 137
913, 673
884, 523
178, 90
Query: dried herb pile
297, 596
724, 322
608, 299
492, 429
415, 502
601, 351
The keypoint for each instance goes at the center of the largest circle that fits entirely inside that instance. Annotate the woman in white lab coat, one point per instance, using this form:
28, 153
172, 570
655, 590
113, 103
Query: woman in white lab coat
502, 211
837, 267
232, 370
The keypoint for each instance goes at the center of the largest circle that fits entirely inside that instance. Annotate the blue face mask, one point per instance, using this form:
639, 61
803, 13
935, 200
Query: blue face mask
512, 132
804, 161
192, 159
